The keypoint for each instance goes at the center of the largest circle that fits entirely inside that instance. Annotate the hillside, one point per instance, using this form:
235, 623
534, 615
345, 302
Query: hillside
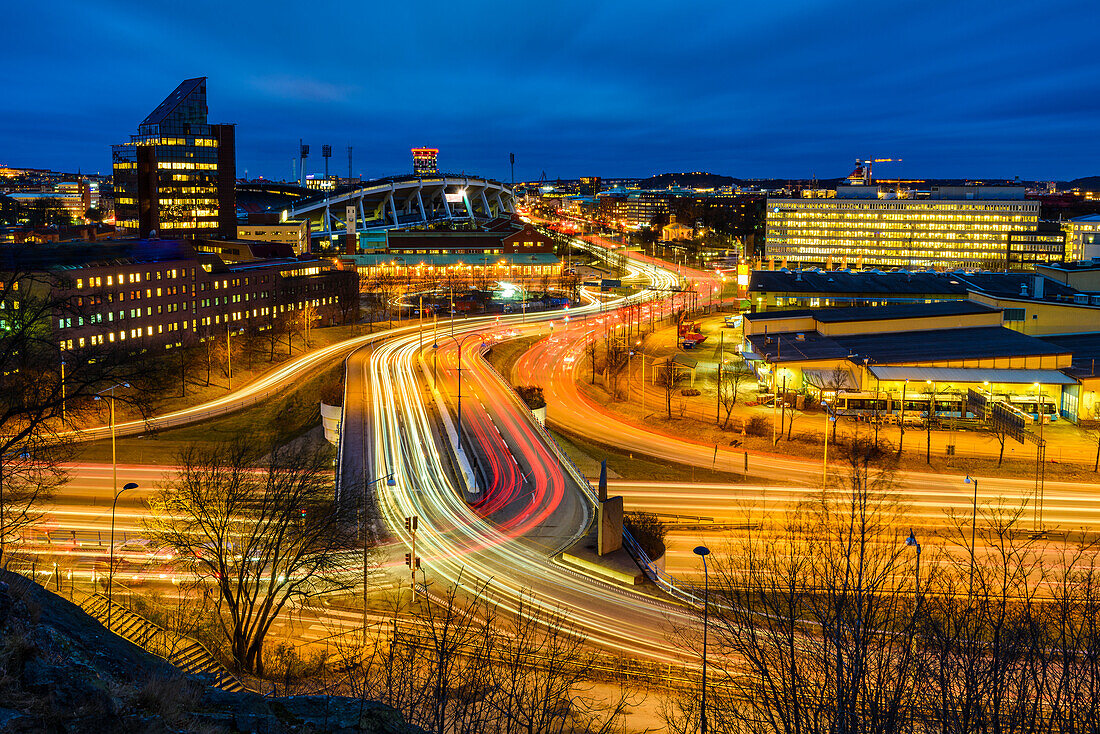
61, 671
694, 180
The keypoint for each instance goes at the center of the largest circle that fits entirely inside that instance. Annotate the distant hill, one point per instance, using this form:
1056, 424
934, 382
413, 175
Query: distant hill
694, 180
1088, 183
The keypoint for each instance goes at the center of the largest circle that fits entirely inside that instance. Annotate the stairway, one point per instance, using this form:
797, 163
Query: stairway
182, 652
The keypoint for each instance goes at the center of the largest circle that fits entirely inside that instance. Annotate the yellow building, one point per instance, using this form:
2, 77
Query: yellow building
295, 234
959, 226
676, 231
890, 355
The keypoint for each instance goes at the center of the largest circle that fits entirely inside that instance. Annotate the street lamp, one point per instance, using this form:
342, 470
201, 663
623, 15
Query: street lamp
229, 351
111, 567
702, 551
460, 342
390, 482
973, 526
114, 459
911, 541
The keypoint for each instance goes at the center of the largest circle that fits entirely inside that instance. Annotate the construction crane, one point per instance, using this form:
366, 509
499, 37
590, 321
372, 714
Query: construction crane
862, 173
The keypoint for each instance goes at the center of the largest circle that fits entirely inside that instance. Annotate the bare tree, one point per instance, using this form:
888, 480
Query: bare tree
303, 322
347, 297
261, 538
462, 666
40, 316
728, 381
811, 627
670, 377
616, 360
591, 349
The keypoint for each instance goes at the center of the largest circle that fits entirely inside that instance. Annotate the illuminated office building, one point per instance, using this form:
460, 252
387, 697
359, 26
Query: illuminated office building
1082, 237
176, 176
956, 226
425, 161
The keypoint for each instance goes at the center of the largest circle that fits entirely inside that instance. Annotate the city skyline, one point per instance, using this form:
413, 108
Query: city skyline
794, 91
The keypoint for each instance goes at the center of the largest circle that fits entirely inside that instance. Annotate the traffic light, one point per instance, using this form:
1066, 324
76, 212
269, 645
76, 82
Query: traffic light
303, 513
409, 560
410, 523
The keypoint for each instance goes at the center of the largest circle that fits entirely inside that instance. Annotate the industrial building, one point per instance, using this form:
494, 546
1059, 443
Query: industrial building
910, 354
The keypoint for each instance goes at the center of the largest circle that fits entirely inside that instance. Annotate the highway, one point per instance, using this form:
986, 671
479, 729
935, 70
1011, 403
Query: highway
499, 538
530, 503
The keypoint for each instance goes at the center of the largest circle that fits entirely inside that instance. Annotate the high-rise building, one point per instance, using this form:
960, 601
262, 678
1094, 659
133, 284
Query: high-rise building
425, 161
957, 226
176, 176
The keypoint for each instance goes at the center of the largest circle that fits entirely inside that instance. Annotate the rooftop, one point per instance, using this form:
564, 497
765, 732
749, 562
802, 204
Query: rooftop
187, 101
880, 313
867, 281
891, 348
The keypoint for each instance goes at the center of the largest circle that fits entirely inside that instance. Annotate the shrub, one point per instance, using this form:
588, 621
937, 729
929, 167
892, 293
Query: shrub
689, 392
648, 530
758, 425
532, 396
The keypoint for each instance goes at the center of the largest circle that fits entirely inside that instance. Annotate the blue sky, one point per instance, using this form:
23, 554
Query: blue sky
787, 88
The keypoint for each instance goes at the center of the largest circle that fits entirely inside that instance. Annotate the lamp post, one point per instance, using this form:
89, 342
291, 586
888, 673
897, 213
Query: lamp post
390, 482
460, 342
63, 391
702, 551
973, 526
229, 351
111, 566
911, 541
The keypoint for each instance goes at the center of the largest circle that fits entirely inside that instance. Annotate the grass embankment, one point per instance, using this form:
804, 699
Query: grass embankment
504, 355
587, 454
276, 421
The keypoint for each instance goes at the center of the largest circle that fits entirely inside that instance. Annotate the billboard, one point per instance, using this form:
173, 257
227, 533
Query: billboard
456, 198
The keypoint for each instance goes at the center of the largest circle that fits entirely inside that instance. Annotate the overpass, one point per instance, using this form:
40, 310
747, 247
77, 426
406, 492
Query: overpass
404, 201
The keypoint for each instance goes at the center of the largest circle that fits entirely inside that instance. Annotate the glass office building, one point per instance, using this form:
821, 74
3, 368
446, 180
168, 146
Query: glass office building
956, 227
176, 176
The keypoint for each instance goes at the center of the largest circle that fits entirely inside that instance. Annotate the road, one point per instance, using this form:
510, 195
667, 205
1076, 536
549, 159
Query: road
531, 503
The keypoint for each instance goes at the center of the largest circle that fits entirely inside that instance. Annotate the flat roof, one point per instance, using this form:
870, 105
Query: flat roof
902, 311
878, 313
787, 347
947, 344
518, 258
886, 283
1085, 348
983, 342
973, 375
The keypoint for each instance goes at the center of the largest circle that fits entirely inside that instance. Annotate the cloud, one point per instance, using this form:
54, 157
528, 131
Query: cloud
289, 88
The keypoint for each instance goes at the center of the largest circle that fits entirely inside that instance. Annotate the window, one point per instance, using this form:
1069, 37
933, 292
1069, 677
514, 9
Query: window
1014, 314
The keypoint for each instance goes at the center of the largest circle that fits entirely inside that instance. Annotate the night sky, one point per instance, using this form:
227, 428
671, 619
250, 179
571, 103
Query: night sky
778, 88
